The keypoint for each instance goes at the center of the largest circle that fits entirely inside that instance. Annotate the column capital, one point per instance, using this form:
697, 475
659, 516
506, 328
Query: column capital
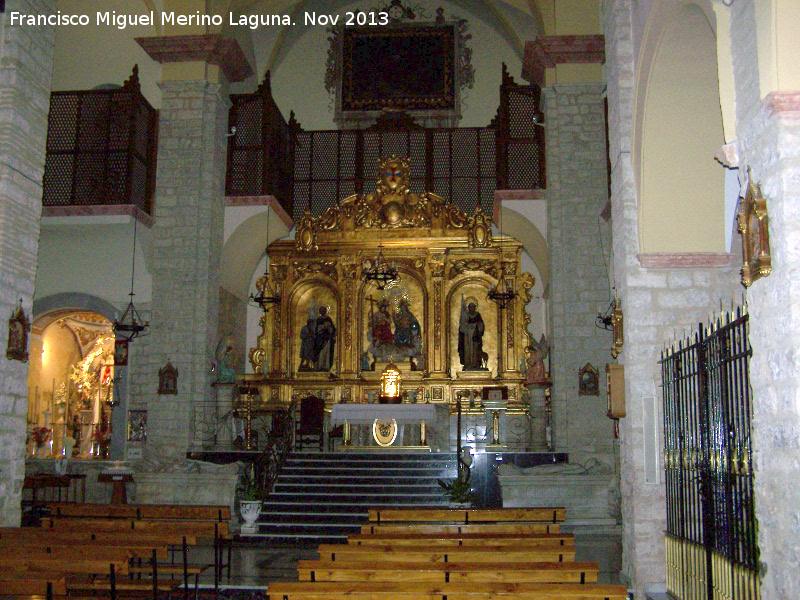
209, 48
550, 50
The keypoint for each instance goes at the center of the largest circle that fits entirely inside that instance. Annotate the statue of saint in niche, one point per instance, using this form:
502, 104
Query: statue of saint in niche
317, 340
470, 337
392, 345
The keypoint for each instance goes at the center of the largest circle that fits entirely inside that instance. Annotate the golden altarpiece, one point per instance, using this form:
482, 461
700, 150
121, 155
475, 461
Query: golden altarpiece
335, 329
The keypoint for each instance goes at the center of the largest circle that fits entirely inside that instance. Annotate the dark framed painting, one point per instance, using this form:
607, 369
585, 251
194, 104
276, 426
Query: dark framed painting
405, 68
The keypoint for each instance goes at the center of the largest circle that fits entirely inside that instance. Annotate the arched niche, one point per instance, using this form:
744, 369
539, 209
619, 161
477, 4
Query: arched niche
472, 288
317, 298
405, 299
678, 131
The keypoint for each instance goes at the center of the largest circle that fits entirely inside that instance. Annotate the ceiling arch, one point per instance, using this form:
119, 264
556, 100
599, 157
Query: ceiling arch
243, 250
520, 228
674, 148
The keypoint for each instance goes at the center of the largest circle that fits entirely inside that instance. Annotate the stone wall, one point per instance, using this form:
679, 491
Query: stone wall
768, 126
661, 302
187, 238
25, 67
579, 253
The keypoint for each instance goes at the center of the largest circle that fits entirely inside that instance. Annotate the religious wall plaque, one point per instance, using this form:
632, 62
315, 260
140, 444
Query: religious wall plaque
753, 224
588, 381
18, 328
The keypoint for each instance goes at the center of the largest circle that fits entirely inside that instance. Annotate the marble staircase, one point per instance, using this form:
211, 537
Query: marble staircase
324, 497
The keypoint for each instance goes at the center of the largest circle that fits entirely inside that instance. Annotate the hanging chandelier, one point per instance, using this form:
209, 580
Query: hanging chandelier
130, 325
265, 297
380, 271
503, 292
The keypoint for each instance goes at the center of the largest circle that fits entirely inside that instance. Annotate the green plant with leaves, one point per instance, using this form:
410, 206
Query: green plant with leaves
459, 490
249, 488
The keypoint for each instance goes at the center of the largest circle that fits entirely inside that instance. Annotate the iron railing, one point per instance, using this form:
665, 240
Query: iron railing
711, 541
246, 432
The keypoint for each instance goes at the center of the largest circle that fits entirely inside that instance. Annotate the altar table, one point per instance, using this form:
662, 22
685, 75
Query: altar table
399, 414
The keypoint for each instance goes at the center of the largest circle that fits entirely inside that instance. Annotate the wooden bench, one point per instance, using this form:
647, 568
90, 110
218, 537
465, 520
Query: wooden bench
32, 582
192, 530
514, 572
382, 590
218, 513
24, 562
460, 554
466, 539
373, 529
210, 529
132, 554
467, 515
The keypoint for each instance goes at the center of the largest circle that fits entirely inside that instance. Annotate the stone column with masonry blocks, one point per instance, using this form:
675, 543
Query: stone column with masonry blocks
187, 240
25, 66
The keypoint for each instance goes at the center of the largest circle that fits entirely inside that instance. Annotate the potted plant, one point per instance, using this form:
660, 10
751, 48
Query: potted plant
251, 495
459, 490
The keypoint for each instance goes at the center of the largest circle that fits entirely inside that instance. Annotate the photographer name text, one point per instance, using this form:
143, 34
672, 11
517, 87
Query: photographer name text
123, 21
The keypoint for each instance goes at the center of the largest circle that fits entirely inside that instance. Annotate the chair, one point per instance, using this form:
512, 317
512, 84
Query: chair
311, 422
336, 433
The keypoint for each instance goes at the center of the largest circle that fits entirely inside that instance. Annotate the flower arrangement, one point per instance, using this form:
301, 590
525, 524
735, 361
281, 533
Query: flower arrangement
40, 435
101, 436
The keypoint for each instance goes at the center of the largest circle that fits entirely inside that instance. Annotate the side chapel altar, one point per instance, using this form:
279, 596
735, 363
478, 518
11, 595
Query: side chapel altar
395, 277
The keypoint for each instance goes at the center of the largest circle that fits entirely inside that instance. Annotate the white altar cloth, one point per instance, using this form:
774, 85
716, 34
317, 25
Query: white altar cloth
403, 414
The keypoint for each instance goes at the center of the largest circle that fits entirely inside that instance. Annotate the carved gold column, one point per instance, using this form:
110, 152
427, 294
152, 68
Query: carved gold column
437, 350
281, 323
349, 272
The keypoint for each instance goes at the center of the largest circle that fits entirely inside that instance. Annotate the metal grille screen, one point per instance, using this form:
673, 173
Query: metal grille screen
101, 147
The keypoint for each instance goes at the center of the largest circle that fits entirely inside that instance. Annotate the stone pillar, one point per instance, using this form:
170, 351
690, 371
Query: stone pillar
538, 438
25, 66
768, 128
660, 294
579, 251
186, 245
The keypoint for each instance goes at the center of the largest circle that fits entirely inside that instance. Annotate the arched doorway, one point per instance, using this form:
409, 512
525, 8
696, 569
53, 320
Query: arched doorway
70, 385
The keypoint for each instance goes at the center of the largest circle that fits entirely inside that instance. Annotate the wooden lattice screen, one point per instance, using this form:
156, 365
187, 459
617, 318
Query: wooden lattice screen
260, 160
101, 147
458, 164
520, 148
315, 169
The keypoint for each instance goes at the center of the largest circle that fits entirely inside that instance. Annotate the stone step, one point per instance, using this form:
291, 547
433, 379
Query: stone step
340, 488
321, 498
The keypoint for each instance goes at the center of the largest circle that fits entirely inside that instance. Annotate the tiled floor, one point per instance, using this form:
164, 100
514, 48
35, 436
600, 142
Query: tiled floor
255, 565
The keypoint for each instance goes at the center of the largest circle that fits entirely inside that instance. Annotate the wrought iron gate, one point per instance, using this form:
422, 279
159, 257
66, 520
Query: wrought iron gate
711, 539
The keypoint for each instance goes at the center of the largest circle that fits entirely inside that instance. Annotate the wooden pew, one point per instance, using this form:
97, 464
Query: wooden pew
467, 515
140, 544
208, 529
84, 561
41, 564
32, 582
466, 539
372, 529
345, 553
509, 572
381, 590
194, 530
140, 511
